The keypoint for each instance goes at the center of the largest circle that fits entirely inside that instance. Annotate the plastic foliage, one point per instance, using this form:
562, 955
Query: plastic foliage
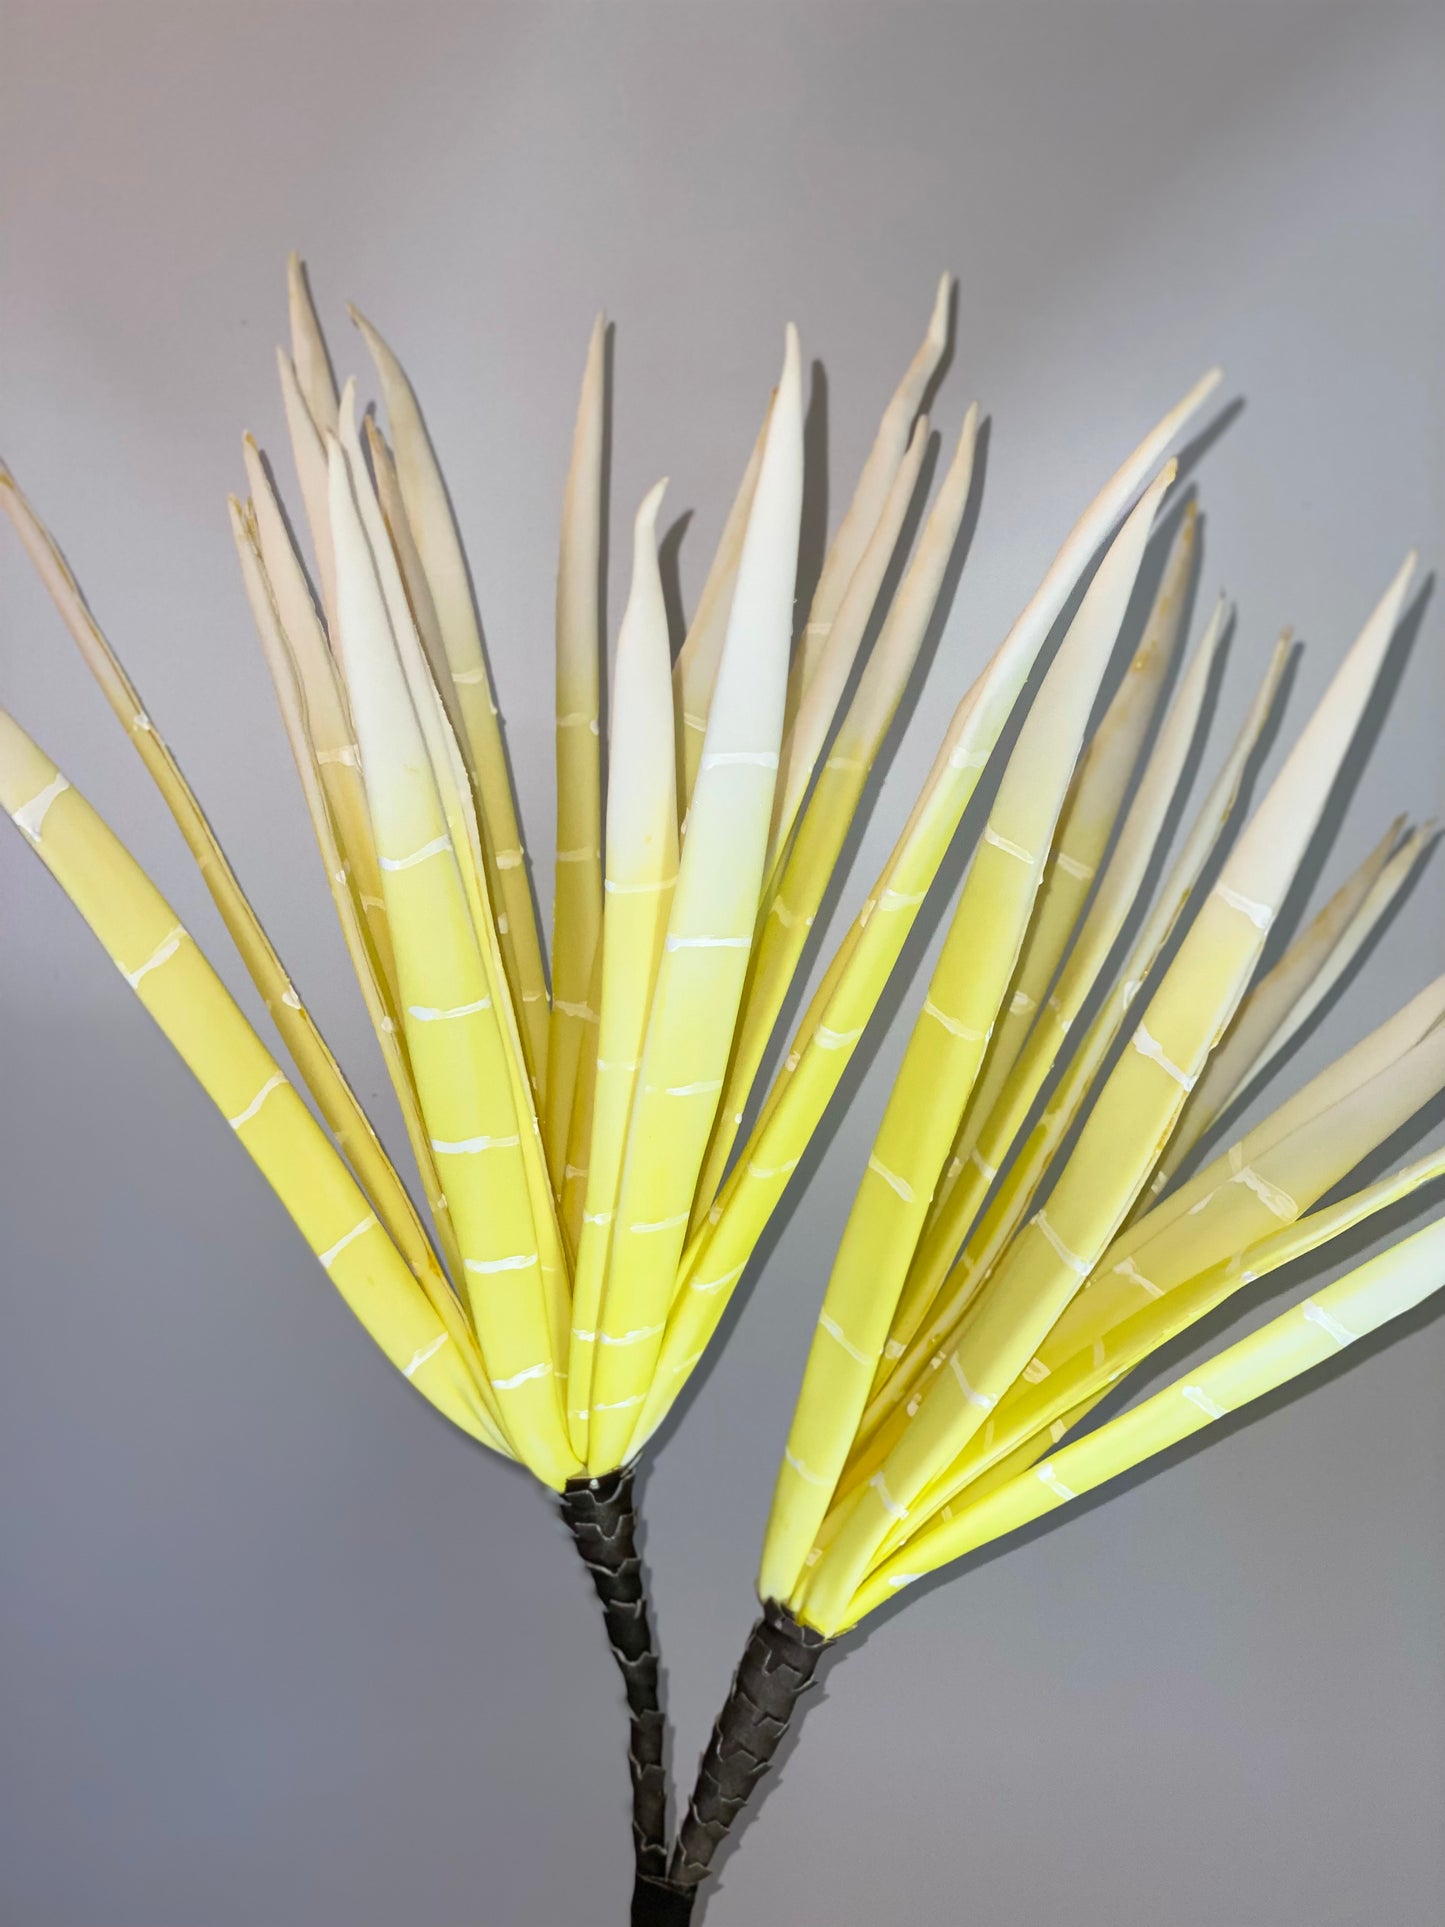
597, 1138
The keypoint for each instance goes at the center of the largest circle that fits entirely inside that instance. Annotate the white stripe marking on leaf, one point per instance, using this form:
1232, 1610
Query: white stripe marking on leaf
734, 758
1261, 915
1046, 1475
419, 1358
1270, 1195
1128, 1269
806, 1471
892, 1180
328, 1257
1017, 850
886, 1499
716, 1284
1061, 1251
757, 1170
983, 1400
428, 850
463, 1147
31, 815
272, 1083
840, 1337
1149, 1046
952, 1025
1197, 1395
544, 1370
1328, 1323
660, 1224
163, 952
633, 1337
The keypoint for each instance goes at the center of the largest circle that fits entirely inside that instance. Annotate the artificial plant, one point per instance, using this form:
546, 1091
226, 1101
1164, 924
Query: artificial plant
1038, 1216
572, 1139
592, 1195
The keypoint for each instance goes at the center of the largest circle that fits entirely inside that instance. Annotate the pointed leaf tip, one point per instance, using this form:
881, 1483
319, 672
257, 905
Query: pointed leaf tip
646, 521
938, 320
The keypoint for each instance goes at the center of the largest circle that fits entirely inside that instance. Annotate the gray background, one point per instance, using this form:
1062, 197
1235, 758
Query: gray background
279, 1650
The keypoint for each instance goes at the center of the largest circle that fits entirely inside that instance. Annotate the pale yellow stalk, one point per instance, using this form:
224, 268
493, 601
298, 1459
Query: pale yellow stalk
434, 530
875, 481
308, 350
577, 889
308, 456
328, 717
695, 670
641, 876
817, 709
709, 940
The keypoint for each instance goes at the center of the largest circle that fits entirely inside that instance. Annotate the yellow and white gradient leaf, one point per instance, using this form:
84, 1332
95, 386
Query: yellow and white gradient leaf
434, 531
809, 729
875, 481
319, 1070
717, 1255
959, 1200
641, 876
943, 1058
1285, 999
944, 1307
308, 350
709, 937
801, 872
308, 456
454, 1035
1309, 1334
1086, 824
1129, 1124
378, 992
695, 670
577, 888
141, 934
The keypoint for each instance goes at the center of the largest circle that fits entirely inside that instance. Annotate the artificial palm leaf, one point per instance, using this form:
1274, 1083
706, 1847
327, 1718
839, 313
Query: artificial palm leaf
1015, 1248
575, 1146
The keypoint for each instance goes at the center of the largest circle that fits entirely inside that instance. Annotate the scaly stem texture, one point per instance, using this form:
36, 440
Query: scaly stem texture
776, 1668
601, 1516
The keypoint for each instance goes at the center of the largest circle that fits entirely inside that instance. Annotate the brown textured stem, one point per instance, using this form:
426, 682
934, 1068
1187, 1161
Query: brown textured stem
776, 1669
602, 1518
